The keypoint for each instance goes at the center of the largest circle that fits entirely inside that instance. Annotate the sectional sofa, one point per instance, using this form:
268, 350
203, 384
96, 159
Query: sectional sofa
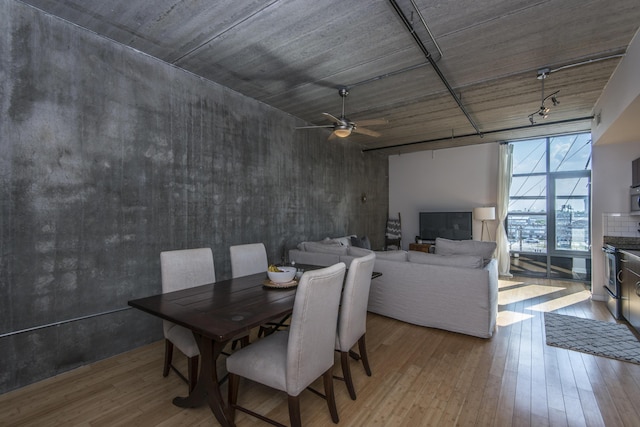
455, 288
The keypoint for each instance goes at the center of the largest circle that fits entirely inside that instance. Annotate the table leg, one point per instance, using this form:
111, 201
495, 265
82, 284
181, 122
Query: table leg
207, 388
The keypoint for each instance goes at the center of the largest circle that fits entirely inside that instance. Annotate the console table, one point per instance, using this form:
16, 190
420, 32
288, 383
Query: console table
422, 247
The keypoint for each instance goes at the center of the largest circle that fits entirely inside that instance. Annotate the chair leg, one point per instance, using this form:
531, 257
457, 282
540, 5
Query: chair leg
330, 396
234, 383
244, 341
193, 372
363, 354
294, 411
346, 373
168, 355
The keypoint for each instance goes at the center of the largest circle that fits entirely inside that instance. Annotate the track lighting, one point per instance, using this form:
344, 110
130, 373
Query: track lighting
543, 111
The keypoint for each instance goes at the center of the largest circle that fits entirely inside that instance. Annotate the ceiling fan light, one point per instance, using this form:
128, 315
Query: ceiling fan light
342, 131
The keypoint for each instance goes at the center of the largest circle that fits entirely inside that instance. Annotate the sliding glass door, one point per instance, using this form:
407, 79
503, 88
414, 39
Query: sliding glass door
549, 218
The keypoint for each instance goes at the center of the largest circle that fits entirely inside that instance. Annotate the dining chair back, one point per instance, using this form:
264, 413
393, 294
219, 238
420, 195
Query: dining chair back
181, 269
352, 319
248, 259
291, 360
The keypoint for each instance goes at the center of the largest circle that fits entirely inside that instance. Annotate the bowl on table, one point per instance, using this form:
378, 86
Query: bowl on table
286, 274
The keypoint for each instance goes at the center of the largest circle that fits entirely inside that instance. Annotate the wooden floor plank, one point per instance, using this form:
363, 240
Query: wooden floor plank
421, 376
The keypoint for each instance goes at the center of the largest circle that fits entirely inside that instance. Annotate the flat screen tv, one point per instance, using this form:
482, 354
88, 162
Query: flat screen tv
448, 225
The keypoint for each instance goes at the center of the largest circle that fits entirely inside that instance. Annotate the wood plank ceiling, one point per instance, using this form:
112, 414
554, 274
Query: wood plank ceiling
295, 54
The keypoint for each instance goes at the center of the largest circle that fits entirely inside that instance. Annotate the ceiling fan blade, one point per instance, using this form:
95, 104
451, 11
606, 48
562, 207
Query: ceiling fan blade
314, 126
372, 122
332, 118
367, 131
332, 136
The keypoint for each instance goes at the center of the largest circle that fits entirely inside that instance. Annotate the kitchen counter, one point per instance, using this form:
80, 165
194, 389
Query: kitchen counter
631, 243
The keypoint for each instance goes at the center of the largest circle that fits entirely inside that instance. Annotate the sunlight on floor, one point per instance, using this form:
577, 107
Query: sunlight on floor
506, 318
523, 293
562, 302
512, 292
508, 283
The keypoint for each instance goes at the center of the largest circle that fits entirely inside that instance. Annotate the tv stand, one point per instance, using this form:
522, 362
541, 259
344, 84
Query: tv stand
421, 247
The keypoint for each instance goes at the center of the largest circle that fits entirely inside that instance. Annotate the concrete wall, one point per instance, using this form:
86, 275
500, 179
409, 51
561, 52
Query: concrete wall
109, 156
453, 179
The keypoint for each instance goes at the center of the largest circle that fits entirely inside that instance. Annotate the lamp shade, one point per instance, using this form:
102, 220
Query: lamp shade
484, 214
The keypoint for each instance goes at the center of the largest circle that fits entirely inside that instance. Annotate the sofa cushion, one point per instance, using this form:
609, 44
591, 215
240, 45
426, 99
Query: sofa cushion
465, 247
358, 252
392, 255
325, 248
326, 241
362, 242
344, 240
462, 261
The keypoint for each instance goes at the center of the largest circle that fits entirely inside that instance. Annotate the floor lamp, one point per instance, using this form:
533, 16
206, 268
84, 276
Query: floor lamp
484, 215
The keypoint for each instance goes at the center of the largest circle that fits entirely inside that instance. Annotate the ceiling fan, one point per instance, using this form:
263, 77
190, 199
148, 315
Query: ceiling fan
343, 127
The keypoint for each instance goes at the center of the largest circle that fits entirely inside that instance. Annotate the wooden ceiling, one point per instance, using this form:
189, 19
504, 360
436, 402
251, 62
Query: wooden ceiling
295, 54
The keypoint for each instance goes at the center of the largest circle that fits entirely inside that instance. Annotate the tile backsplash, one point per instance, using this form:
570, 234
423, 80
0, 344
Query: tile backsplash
622, 225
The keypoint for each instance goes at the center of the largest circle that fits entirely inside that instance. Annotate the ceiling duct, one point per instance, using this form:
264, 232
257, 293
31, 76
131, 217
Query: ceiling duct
414, 33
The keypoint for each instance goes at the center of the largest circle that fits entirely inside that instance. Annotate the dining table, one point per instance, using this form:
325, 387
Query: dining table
216, 313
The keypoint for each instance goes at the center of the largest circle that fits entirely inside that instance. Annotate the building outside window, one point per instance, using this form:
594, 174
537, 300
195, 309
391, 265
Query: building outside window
548, 224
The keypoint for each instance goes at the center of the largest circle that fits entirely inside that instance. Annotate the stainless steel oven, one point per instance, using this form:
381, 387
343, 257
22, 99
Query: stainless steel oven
634, 194
612, 281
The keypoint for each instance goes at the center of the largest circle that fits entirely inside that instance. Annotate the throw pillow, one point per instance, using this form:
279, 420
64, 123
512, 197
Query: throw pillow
345, 240
362, 242
465, 247
464, 261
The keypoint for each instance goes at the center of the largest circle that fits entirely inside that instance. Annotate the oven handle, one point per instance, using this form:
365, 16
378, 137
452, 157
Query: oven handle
610, 293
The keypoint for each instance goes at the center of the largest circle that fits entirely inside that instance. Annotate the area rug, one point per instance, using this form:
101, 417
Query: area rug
596, 337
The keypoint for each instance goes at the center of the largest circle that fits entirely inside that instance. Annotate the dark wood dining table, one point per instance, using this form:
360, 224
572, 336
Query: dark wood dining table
216, 313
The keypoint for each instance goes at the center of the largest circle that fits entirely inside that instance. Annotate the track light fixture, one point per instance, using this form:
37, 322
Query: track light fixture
543, 111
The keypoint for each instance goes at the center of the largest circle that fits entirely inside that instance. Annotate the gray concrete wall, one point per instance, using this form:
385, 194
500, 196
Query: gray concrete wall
109, 156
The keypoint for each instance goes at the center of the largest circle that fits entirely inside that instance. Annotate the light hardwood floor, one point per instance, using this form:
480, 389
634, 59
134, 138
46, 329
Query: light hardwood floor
421, 376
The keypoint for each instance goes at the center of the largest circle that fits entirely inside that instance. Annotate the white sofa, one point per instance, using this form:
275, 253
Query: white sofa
455, 289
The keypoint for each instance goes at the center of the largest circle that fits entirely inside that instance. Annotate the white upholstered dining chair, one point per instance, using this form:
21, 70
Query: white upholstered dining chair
183, 269
352, 319
291, 360
247, 259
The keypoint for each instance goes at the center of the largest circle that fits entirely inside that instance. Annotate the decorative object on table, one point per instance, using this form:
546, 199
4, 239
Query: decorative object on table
291, 360
597, 337
284, 285
393, 233
281, 274
352, 320
485, 214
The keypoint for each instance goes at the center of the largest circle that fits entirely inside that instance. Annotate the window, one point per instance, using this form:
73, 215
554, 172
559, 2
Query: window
548, 223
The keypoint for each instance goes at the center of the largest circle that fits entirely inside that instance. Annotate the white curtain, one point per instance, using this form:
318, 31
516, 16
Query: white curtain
505, 169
